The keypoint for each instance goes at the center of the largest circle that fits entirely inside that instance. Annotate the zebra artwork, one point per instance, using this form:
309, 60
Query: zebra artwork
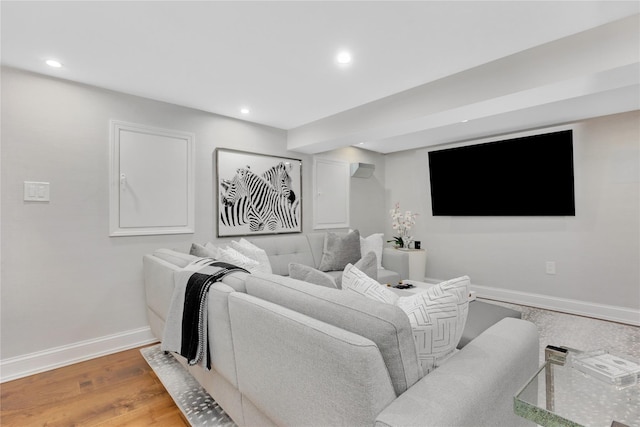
278, 177
232, 214
265, 202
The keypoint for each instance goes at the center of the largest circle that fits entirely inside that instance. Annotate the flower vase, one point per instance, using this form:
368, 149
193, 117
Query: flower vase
405, 242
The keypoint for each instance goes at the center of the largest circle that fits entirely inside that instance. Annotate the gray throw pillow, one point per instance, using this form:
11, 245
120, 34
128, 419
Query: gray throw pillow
368, 264
311, 275
340, 250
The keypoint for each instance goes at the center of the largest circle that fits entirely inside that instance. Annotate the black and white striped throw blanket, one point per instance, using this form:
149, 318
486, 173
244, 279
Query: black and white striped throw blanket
185, 331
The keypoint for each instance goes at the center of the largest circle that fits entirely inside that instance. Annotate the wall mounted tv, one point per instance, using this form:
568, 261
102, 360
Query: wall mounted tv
527, 176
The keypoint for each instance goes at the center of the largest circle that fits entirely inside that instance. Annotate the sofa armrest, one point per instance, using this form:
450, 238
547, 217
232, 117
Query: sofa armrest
396, 261
476, 386
158, 286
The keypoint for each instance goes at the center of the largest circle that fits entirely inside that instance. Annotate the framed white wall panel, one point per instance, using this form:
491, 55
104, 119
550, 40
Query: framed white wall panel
331, 180
151, 180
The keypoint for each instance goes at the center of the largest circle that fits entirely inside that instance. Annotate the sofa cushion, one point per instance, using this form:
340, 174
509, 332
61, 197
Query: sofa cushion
384, 324
311, 275
285, 249
340, 250
388, 276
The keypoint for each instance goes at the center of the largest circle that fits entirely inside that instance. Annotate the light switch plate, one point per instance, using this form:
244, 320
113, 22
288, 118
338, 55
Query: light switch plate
36, 191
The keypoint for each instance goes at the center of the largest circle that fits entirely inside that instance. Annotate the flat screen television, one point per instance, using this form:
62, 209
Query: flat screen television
527, 176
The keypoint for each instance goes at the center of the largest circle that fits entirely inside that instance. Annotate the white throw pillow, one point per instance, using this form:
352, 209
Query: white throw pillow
373, 243
437, 316
231, 256
354, 280
214, 249
202, 251
250, 250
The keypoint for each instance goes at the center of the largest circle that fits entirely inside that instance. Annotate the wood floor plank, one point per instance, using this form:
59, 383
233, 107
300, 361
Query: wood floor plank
119, 389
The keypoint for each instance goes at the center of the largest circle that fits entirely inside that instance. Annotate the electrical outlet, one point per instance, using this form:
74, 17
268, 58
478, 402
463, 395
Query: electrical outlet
550, 267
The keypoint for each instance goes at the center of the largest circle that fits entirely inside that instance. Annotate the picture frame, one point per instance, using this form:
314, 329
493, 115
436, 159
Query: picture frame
257, 194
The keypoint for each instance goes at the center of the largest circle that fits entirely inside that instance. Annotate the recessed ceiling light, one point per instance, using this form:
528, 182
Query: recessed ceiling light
464, 121
343, 57
53, 63
245, 110
360, 143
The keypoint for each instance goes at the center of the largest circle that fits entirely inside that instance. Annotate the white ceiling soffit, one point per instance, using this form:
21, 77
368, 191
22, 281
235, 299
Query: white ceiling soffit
411, 59
536, 117
589, 74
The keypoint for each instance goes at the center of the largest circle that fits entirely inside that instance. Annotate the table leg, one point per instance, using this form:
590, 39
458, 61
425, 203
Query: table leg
550, 389
553, 356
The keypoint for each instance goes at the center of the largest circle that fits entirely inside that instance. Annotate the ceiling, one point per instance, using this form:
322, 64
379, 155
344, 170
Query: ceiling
278, 60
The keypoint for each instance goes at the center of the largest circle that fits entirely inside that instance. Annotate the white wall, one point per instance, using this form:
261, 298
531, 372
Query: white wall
596, 252
68, 290
367, 195
64, 280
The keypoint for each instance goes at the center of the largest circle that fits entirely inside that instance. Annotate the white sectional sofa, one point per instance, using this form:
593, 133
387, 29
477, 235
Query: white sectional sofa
287, 352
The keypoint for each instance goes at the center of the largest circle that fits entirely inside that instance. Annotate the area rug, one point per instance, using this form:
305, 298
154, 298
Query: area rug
193, 400
579, 332
554, 328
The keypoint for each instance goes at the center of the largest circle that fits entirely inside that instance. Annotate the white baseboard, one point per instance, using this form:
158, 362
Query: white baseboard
571, 306
41, 361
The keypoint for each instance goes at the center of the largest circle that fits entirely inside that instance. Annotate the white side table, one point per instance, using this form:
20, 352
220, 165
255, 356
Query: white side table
417, 263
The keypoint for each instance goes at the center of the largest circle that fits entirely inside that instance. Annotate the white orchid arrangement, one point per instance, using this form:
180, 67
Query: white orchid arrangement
401, 223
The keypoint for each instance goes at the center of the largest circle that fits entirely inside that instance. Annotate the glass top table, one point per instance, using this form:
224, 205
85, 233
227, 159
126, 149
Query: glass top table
560, 395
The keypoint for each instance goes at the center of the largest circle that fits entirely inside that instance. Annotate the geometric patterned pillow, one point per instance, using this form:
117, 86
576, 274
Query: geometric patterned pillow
354, 280
437, 316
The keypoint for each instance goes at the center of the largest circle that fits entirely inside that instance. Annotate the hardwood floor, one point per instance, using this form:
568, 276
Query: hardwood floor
116, 390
